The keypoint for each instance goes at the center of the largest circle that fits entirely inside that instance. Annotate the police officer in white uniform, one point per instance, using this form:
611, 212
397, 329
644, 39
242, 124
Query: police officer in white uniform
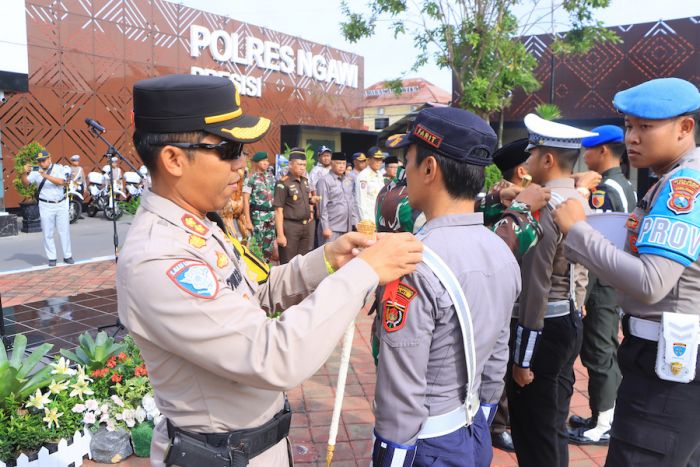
51, 180
369, 183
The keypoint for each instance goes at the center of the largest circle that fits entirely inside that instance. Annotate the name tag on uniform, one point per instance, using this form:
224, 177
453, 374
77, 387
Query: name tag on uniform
677, 353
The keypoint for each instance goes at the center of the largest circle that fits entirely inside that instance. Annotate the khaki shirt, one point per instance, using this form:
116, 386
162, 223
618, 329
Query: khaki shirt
216, 361
545, 269
292, 194
651, 279
422, 371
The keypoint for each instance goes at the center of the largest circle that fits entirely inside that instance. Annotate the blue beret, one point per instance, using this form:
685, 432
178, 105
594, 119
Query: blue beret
659, 99
606, 134
450, 132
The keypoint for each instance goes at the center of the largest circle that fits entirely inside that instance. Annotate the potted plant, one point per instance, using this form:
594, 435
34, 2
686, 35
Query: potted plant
30, 210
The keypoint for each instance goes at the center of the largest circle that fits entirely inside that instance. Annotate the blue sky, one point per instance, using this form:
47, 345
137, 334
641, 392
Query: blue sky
386, 57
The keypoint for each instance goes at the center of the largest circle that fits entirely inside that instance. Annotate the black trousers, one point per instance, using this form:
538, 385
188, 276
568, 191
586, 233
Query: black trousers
300, 240
539, 411
657, 422
599, 349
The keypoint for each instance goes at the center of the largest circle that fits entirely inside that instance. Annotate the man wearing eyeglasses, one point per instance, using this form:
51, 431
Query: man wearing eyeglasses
219, 366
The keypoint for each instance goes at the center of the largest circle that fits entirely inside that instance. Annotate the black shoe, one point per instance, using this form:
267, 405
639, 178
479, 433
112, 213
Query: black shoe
69, 260
576, 436
579, 422
502, 441
52, 262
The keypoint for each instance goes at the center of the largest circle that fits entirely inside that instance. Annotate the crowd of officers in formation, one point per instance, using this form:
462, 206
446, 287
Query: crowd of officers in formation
483, 301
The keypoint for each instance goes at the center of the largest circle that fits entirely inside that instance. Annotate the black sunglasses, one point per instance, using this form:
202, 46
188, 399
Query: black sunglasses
228, 150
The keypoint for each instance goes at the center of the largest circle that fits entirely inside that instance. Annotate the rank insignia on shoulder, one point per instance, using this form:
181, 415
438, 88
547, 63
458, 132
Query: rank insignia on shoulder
194, 277
684, 190
280, 185
192, 223
197, 241
598, 199
221, 260
396, 307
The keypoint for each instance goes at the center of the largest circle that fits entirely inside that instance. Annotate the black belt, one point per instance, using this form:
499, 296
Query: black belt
52, 202
297, 221
256, 207
234, 448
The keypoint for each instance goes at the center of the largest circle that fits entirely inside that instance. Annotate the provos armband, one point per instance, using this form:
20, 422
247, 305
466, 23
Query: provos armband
672, 228
525, 344
386, 453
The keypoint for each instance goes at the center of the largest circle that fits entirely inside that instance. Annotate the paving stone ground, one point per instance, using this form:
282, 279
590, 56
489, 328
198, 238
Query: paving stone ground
90, 301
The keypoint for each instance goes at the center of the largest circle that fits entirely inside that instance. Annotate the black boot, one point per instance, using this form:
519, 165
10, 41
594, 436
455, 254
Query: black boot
502, 441
579, 422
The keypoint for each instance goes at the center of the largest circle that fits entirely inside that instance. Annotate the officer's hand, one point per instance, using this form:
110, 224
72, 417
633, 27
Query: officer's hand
589, 179
522, 376
568, 213
249, 226
534, 196
508, 193
27, 168
327, 233
393, 256
281, 241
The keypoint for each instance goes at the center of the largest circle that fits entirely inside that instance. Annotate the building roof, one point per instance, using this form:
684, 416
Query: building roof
414, 91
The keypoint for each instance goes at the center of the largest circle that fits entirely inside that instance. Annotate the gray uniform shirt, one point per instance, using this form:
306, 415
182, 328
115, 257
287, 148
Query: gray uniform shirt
545, 269
654, 280
421, 369
337, 209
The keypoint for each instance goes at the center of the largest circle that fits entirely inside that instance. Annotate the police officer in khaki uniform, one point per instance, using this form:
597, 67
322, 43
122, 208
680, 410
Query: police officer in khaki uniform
546, 329
428, 394
217, 363
601, 325
293, 209
657, 277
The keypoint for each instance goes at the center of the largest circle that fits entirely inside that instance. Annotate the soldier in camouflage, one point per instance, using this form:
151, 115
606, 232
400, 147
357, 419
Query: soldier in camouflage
258, 192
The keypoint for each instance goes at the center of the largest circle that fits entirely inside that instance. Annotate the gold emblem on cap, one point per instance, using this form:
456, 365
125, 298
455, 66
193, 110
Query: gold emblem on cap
223, 117
393, 140
249, 133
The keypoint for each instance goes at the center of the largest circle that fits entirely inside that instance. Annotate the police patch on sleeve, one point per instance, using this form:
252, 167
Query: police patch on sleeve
396, 307
598, 199
194, 277
672, 228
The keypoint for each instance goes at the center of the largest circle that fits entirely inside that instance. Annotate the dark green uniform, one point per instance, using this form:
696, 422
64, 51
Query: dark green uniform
261, 186
292, 194
601, 324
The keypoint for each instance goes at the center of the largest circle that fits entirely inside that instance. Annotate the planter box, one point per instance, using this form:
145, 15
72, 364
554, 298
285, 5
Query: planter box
8, 225
65, 455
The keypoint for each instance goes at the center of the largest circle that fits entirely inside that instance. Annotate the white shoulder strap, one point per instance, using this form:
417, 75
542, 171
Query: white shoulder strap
454, 290
620, 192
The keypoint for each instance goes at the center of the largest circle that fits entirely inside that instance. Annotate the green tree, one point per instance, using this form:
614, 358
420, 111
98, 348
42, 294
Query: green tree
478, 41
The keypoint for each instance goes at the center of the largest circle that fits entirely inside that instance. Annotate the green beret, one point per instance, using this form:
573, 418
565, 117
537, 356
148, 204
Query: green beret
259, 156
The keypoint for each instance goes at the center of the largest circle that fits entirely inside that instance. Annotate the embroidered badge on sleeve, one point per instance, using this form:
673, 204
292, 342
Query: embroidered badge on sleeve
194, 277
396, 307
598, 199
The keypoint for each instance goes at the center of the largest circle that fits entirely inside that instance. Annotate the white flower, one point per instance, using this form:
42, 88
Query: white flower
110, 425
38, 400
140, 414
82, 377
91, 404
104, 408
62, 367
117, 400
81, 388
79, 408
51, 417
104, 418
128, 417
149, 405
89, 418
57, 388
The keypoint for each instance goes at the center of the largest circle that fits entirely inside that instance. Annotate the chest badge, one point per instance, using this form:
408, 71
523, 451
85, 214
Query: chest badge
221, 260
197, 241
398, 297
684, 190
295, 197
192, 223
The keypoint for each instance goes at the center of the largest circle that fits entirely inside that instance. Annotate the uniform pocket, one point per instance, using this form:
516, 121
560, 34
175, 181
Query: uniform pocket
637, 442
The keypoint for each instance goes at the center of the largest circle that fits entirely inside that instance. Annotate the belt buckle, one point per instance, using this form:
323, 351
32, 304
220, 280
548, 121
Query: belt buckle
239, 455
304, 221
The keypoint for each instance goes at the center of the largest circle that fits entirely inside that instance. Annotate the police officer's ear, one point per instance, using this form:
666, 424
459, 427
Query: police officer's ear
172, 160
686, 126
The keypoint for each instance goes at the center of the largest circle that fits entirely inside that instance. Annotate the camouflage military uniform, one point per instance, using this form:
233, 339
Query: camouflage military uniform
261, 186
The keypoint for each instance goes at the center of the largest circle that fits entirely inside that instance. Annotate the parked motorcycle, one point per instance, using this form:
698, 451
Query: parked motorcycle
133, 184
101, 197
75, 201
